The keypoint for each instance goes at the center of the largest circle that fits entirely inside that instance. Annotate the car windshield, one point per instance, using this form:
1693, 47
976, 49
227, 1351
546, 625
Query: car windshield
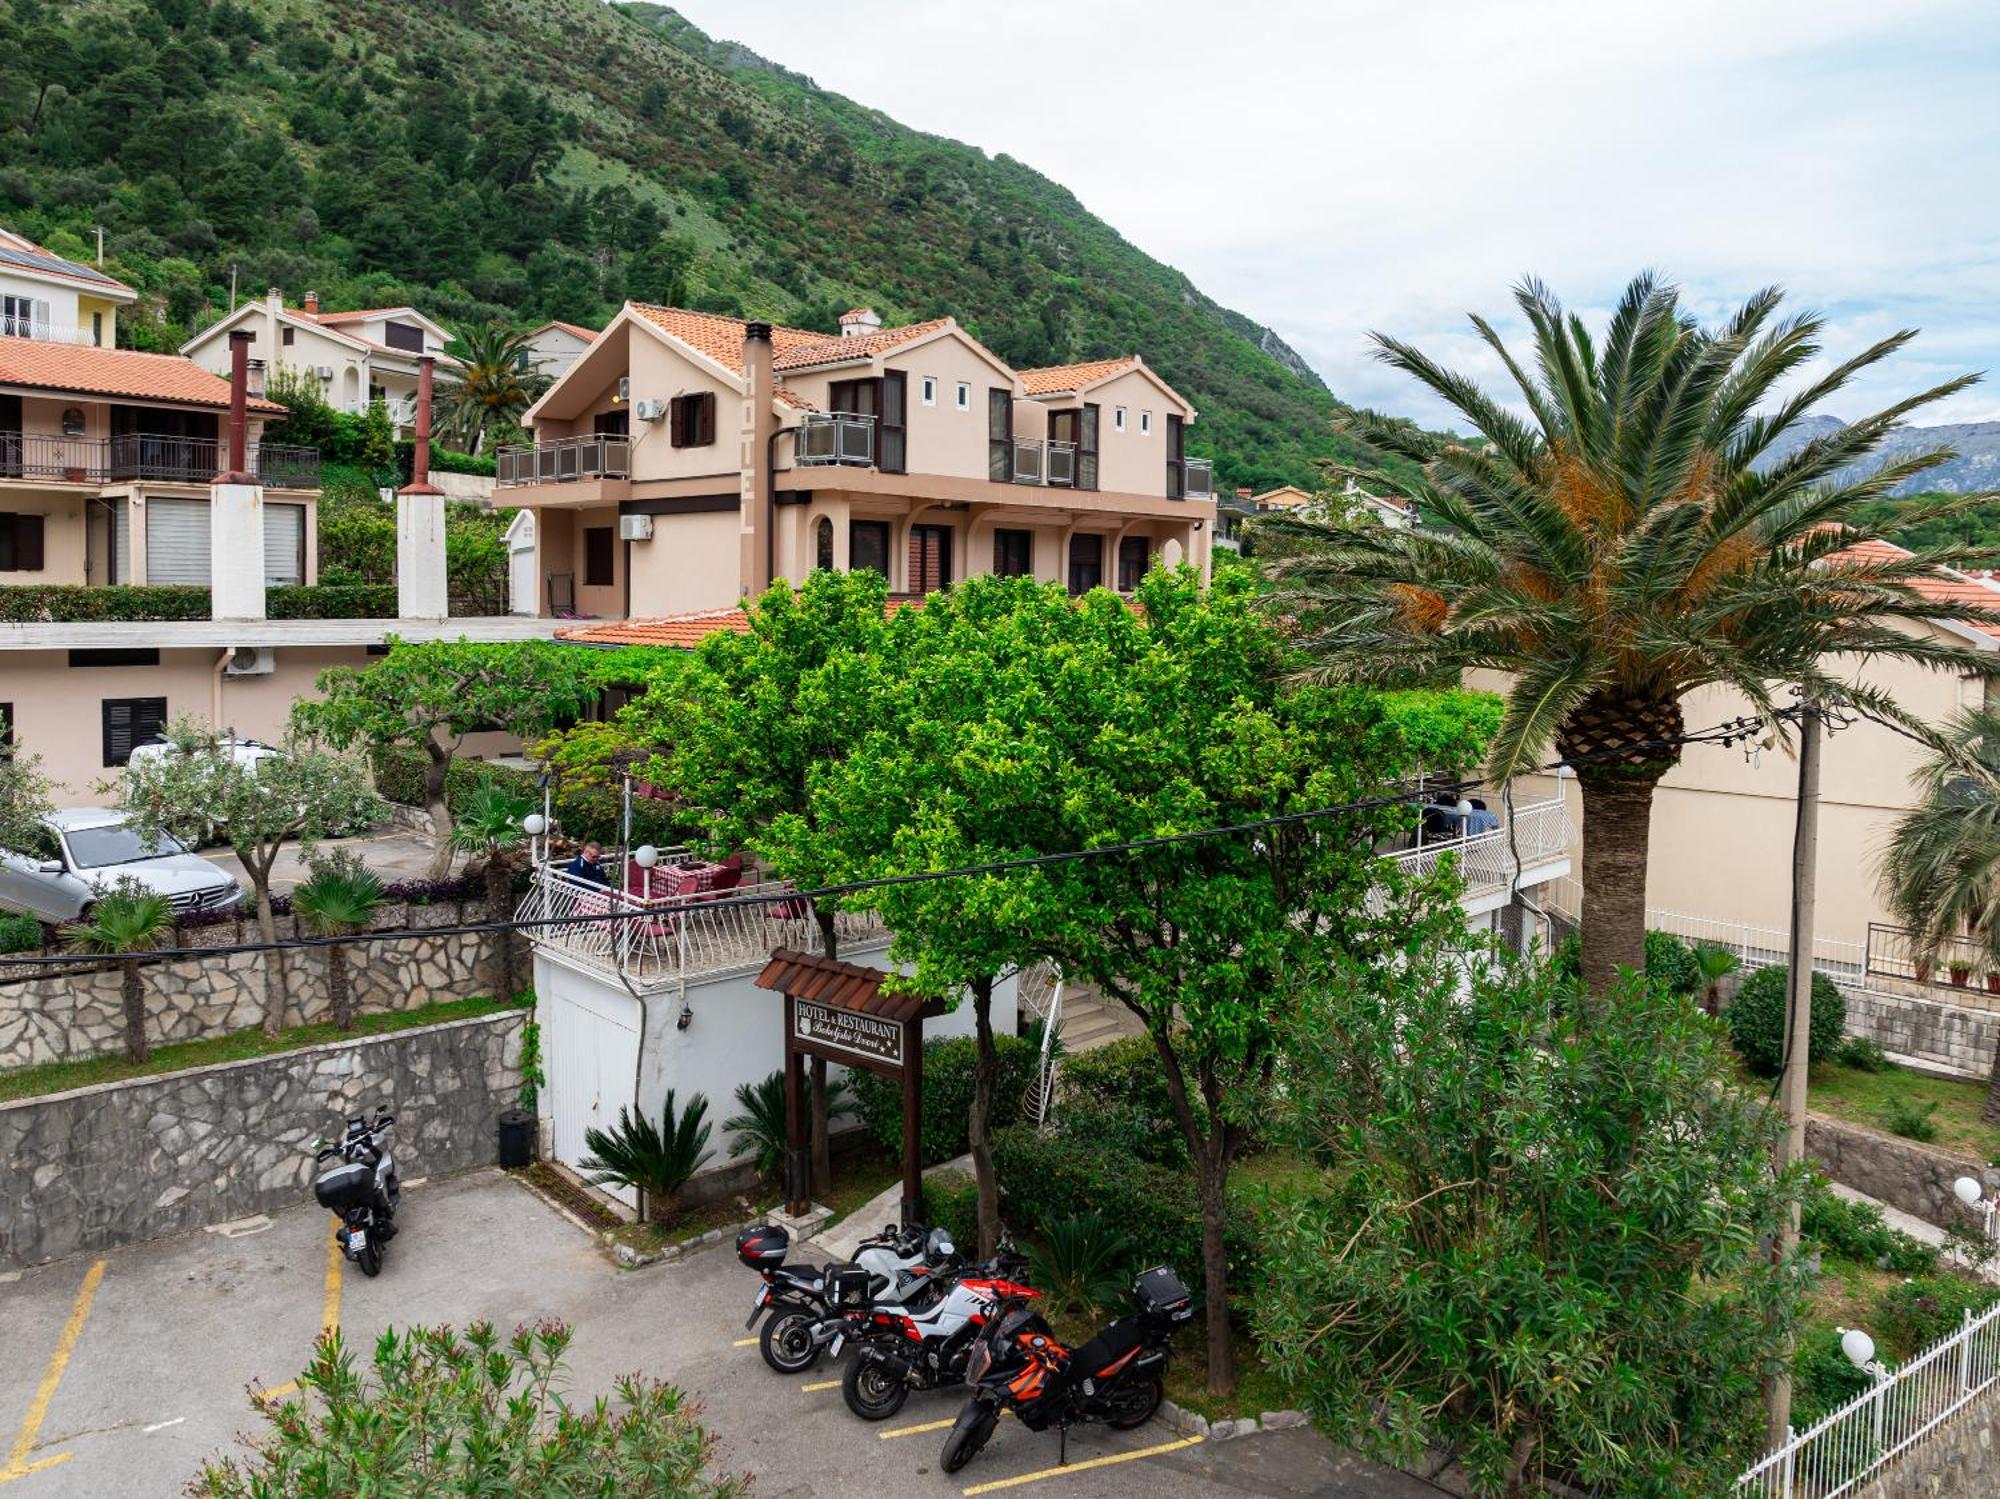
116, 843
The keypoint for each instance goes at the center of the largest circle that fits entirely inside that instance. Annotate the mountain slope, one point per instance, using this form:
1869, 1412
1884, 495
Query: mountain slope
1975, 468
524, 159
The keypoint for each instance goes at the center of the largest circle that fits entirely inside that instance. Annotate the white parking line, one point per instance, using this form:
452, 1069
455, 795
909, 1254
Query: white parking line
162, 1425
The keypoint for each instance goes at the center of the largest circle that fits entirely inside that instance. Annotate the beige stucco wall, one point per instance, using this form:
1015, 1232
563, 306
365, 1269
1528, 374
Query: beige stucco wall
943, 439
1130, 462
691, 563
62, 515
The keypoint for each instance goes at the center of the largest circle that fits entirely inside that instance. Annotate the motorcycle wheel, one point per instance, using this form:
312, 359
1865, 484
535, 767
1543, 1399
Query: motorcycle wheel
786, 1341
370, 1259
871, 1392
1133, 1404
968, 1436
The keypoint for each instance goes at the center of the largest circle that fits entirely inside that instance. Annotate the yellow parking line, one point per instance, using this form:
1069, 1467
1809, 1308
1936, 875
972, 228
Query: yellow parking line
279, 1391
742, 1342
910, 1431
18, 1465
329, 1311
1095, 1462
825, 1384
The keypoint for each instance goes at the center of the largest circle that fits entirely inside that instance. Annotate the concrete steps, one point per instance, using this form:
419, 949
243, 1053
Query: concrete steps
1090, 1020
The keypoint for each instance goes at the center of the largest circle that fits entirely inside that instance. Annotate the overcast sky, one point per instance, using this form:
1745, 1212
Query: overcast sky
1332, 168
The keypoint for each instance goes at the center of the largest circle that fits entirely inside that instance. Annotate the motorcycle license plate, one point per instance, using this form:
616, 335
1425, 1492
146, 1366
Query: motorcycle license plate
839, 1339
756, 1306
357, 1240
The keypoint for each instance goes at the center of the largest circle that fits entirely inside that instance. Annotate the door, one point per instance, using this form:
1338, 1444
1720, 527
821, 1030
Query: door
592, 1051
930, 559
177, 541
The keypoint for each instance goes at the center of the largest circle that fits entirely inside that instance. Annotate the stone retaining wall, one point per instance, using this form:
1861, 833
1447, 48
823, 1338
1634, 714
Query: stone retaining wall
77, 1012
1962, 1457
1952, 1038
97, 1167
1916, 1178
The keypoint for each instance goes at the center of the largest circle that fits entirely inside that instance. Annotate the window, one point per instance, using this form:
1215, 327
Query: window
893, 430
286, 336
97, 329
20, 543
284, 545
1134, 554
24, 317
965, 395
823, 545
868, 546
1176, 458
1013, 554
691, 420
1000, 435
1117, 418
121, 655
6, 728
930, 390
598, 565
1145, 423
405, 336
1086, 446
1086, 563
930, 558
130, 721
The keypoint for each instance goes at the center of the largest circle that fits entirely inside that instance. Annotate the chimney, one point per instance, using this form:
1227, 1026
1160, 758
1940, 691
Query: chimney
1243, 492
859, 322
274, 299
312, 304
760, 425
420, 557
236, 505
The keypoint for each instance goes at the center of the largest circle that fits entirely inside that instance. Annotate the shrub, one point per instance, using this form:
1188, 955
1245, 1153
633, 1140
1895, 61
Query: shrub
1047, 1176
1117, 1095
1863, 1055
1671, 964
19, 933
1823, 1378
656, 1159
1080, 1265
1905, 1118
947, 1094
1756, 1019
1858, 1231
70, 603
1915, 1313
421, 892
332, 601
444, 461
952, 1200
581, 811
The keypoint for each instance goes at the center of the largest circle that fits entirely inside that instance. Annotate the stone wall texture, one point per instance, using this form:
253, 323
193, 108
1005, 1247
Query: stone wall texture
1952, 1038
73, 1013
1916, 1178
1960, 1460
90, 1169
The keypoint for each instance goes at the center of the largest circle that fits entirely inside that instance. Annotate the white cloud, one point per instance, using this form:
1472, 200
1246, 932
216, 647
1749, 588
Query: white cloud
1330, 168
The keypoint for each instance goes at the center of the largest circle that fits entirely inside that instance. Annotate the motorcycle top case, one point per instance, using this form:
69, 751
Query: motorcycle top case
847, 1286
349, 1186
1160, 1293
762, 1246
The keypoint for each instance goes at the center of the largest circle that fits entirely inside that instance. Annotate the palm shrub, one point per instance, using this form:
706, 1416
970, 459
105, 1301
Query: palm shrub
339, 898
1081, 1264
123, 923
1648, 528
760, 1130
495, 382
655, 1160
1756, 1018
489, 825
1712, 964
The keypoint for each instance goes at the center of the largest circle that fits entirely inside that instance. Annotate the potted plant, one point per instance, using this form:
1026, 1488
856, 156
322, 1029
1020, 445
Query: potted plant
1993, 981
1960, 972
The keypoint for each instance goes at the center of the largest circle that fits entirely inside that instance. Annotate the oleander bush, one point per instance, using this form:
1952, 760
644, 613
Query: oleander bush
1857, 1231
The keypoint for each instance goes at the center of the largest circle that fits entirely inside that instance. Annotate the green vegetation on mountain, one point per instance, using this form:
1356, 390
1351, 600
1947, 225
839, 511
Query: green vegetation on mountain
525, 159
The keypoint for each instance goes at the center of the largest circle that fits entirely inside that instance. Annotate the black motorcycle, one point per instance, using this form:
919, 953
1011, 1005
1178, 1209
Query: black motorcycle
810, 1305
1117, 1379
362, 1191
898, 1349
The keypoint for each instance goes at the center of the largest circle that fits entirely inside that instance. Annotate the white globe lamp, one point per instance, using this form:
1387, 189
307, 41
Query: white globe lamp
1858, 1346
645, 856
534, 824
1968, 1191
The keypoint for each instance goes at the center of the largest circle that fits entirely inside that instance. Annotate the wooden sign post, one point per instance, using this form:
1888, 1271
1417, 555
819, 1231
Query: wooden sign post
845, 1013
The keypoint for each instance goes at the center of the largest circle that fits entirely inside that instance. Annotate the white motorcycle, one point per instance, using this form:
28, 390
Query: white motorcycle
362, 1191
895, 1267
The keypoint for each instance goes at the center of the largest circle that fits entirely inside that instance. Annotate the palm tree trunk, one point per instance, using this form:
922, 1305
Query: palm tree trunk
274, 962
1990, 1110
132, 988
1617, 824
336, 987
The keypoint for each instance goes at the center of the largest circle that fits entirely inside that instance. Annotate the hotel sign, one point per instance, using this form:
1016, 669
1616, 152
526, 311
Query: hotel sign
868, 1037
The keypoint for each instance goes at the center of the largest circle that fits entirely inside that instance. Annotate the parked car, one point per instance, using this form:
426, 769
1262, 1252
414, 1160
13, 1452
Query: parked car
77, 854
250, 752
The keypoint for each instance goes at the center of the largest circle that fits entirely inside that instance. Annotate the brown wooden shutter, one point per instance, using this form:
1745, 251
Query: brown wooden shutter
705, 419
1000, 435
1176, 458
1086, 447
28, 543
892, 452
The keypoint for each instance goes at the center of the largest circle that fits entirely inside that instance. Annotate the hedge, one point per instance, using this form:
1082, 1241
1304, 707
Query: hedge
1048, 1175
581, 811
1116, 1094
947, 1094
444, 461
19, 933
1756, 1018
74, 603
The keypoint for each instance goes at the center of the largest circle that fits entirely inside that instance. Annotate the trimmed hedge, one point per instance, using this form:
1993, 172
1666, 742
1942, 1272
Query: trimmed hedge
1050, 1175
443, 461
1756, 1018
74, 603
580, 811
947, 1094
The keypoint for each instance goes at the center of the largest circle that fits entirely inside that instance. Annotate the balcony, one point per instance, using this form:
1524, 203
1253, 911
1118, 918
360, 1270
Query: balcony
567, 459
835, 437
1496, 861
678, 932
1039, 462
1190, 479
18, 325
144, 456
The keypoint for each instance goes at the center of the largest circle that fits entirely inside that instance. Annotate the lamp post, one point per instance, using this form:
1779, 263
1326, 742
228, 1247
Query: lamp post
534, 825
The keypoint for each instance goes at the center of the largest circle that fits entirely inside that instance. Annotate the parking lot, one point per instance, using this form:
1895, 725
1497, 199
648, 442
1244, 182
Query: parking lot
123, 1373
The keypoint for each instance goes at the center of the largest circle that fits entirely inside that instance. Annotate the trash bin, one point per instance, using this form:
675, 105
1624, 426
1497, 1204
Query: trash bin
517, 1137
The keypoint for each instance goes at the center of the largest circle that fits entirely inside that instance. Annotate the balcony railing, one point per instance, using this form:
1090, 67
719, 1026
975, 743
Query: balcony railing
142, 455
1200, 479
665, 941
1493, 860
1038, 462
599, 455
1956, 971
17, 325
828, 437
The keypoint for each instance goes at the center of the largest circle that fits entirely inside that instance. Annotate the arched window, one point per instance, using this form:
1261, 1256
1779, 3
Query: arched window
823, 544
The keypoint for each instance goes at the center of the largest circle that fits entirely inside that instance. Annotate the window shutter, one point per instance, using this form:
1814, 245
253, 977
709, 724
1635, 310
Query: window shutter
1086, 447
704, 419
284, 544
1176, 459
177, 542
130, 721
1000, 435
891, 456
677, 421
28, 543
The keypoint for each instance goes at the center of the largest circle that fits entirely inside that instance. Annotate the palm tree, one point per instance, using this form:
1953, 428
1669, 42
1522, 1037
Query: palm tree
1941, 871
122, 923
490, 824
1654, 524
495, 382
657, 1160
340, 898
1712, 964
760, 1130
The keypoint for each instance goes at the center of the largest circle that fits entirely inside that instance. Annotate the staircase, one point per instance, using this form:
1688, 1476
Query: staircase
1089, 1019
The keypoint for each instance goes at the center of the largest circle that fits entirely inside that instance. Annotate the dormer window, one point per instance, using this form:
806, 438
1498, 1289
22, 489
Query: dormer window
405, 336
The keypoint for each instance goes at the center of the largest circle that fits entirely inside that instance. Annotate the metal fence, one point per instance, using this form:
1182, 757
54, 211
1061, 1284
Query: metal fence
1755, 946
1832, 1456
1540, 833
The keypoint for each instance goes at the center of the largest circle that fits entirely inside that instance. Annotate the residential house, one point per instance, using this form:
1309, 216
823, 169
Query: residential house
366, 355
53, 300
687, 459
557, 345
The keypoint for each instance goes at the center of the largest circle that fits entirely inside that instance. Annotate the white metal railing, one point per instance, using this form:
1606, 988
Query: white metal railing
21, 325
1062, 464
1200, 482
665, 941
1755, 946
1834, 1454
1540, 833
1039, 991
835, 437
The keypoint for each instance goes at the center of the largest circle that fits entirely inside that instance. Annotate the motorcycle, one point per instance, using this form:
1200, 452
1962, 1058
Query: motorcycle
362, 1191
1118, 1378
897, 1350
892, 1267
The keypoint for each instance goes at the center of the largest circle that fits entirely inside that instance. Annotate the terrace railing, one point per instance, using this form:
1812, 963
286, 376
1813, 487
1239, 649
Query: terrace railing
1495, 859
1755, 946
147, 456
565, 460
830, 437
1200, 484
1959, 967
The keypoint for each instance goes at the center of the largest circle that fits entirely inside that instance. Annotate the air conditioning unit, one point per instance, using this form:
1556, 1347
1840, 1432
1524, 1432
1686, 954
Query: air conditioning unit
635, 528
650, 411
324, 371
624, 387
252, 661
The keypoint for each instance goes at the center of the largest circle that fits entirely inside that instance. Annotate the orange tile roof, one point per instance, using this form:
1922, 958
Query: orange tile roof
686, 631
1055, 379
718, 337
588, 335
1945, 586
846, 346
792, 398
358, 312
115, 372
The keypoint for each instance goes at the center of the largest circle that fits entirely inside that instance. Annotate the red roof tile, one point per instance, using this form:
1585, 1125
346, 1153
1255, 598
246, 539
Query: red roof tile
685, 631
843, 986
1055, 379
1945, 586
577, 330
115, 372
721, 338
847, 346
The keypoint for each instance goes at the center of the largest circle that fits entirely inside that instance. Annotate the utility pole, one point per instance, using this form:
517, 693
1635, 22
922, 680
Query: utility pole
1792, 1086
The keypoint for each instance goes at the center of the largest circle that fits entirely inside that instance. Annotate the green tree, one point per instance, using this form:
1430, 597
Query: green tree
338, 899
375, 445
1538, 1246
496, 381
1635, 537
429, 695
486, 1415
296, 798
750, 716
1942, 869
25, 798
656, 1159
489, 825
123, 923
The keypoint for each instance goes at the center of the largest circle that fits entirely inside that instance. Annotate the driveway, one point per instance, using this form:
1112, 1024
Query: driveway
124, 1373
392, 853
